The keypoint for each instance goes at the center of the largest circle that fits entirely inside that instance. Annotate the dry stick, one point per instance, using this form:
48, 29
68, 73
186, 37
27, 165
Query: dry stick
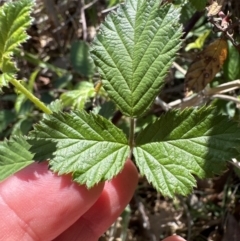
226, 97
179, 68
83, 21
192, 100
188, 215
226, 87
163, 104
113, 230
71, 19
225, 31
197, 99
159, 101
109, 9
145, 218
141, 208
90, 4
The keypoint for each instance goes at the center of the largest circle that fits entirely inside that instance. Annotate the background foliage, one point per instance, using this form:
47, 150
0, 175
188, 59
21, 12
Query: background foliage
54, 63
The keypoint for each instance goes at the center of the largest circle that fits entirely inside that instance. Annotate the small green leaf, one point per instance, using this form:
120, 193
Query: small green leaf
79, 96
6, 117
56, 105
87, 145
14, 155
180, 144
133, 51
14, 20
22, 126
63, 81
4, 79
107, 110
231, 65
80, 59
199, 42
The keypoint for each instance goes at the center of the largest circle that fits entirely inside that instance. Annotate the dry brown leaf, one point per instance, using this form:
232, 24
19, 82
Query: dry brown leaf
214, 8
206, 65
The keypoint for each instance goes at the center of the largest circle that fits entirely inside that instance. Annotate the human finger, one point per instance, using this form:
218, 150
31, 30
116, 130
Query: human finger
114, 198
40, 205
174, 238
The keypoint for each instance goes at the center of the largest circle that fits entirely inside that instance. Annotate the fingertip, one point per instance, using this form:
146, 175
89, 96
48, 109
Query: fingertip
116, 194
126, 180
174, 238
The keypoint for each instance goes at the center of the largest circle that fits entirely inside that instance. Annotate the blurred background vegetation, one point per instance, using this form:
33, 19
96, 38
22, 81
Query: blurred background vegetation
55, 64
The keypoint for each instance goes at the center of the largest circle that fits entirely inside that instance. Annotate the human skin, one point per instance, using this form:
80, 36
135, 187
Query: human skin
37, 205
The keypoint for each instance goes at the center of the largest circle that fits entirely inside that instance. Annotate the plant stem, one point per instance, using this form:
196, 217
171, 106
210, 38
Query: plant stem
131, 136
30, 96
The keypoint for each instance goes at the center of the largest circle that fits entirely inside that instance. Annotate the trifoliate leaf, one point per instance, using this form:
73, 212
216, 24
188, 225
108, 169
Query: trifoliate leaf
87, 145
14, 155
180, 144
14, 20
133, 51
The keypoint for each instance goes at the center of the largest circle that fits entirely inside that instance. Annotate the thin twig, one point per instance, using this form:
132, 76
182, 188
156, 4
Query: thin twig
146, 223
192, 100
207, 94
90, 4
83, 21
163, 104
226, 87
109, 9
189, 218
179, 68
226, 97
225, 31
145, 219
70, 19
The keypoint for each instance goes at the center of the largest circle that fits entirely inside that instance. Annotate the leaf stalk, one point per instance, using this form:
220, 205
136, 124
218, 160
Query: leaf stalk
30, 96
131, 136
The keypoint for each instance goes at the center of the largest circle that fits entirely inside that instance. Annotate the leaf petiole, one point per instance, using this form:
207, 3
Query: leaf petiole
131, 136
30, 96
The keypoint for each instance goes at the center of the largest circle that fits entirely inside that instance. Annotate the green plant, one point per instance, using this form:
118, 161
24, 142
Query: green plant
133, 51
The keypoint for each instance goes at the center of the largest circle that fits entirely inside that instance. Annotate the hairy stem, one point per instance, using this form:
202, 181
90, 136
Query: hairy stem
30, 96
